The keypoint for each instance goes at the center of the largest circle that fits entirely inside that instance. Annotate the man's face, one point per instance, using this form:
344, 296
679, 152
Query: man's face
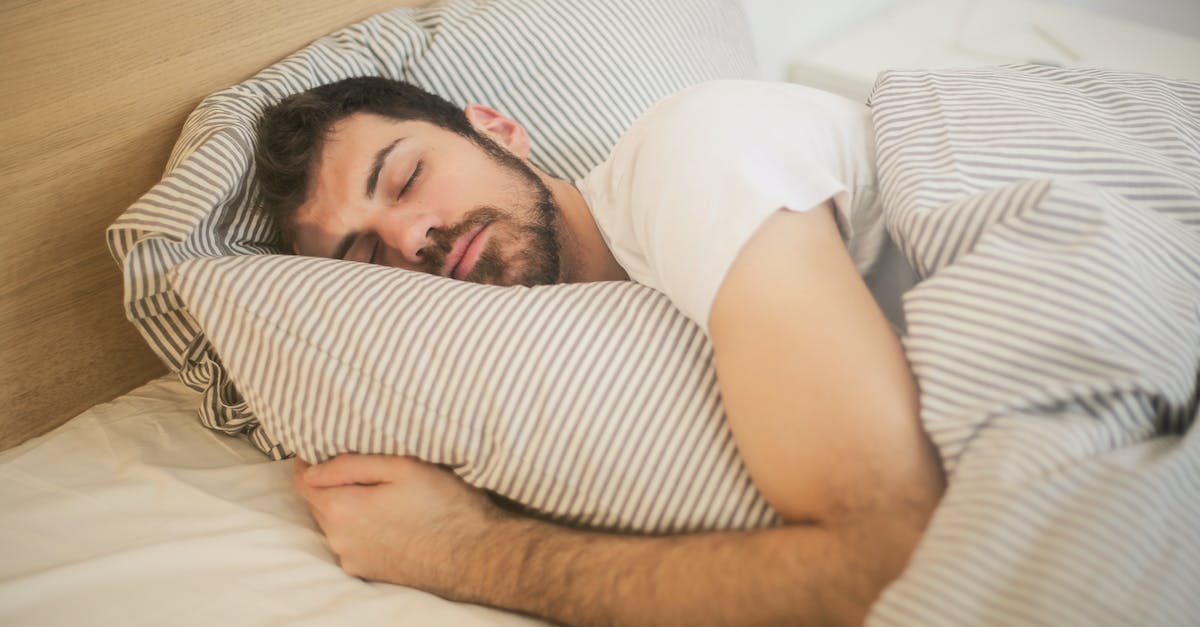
410, 194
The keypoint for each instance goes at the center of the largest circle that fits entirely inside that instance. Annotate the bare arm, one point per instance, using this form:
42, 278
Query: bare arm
818, 391
400, 520
823, 409
787, 575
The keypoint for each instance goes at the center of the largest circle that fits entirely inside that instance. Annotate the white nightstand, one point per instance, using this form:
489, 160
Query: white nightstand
928, 34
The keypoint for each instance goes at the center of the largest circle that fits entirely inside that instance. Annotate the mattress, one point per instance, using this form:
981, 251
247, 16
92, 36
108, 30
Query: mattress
133, 513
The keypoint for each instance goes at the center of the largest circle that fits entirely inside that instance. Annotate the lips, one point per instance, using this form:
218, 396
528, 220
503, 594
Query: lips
465, 253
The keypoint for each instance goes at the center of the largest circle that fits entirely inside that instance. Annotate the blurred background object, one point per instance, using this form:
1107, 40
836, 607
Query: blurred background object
841, 47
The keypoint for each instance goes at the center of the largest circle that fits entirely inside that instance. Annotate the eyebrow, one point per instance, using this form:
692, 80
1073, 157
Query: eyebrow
377, 167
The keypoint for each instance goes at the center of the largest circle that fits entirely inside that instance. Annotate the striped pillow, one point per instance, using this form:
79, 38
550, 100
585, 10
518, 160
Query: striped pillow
594, 404
575, 72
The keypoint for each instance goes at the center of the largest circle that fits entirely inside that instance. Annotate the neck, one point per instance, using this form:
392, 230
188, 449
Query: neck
585, 256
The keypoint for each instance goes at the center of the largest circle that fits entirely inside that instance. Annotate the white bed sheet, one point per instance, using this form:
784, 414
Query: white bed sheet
133, 513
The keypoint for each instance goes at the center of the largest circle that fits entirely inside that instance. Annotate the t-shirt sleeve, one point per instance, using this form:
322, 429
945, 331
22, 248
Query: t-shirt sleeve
703, 192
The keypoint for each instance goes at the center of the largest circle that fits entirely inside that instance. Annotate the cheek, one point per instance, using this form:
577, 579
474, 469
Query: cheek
455, 204
444, 198
479, 182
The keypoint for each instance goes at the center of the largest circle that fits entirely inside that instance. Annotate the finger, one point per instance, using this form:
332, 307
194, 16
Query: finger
298, 468
358, 469
311, 497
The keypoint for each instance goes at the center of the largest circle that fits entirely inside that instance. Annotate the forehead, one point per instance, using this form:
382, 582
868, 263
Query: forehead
347, 154
358, 134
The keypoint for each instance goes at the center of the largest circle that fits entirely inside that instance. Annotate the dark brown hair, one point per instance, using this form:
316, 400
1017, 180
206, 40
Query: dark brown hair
292, 132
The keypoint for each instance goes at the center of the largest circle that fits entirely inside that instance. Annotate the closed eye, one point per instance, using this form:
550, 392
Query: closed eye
374, 251
412, 179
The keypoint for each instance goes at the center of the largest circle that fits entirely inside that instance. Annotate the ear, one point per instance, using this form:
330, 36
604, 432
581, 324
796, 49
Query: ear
504, 130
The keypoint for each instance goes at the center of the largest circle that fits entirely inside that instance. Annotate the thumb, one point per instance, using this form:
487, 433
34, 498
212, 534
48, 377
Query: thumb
350, 469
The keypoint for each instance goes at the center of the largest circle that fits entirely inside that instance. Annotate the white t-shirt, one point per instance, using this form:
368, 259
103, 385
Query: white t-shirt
692, 180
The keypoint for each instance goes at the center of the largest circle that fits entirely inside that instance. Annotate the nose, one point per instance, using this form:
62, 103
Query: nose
406, 232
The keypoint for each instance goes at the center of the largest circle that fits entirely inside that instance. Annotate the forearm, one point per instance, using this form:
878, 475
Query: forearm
785, 575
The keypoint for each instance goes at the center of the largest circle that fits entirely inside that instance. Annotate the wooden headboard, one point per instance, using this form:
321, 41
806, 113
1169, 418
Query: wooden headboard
93, 96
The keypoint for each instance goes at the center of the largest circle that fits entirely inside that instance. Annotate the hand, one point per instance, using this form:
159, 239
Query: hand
397, 519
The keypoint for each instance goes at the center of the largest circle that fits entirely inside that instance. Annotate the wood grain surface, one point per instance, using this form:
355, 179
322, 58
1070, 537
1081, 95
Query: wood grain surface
92, 96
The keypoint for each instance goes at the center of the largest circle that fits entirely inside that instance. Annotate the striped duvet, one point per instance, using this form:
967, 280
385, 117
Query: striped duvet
1054, 216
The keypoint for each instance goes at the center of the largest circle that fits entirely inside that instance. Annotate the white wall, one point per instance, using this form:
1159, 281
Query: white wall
786, 29
1181, 16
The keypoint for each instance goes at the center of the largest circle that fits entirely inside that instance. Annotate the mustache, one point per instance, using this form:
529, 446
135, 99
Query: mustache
441, 240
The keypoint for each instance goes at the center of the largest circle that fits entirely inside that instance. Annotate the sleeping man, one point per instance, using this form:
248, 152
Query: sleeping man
752, 207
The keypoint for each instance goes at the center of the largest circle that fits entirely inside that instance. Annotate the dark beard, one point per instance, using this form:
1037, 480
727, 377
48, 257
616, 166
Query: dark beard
541, 260
540, 256
537, 227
